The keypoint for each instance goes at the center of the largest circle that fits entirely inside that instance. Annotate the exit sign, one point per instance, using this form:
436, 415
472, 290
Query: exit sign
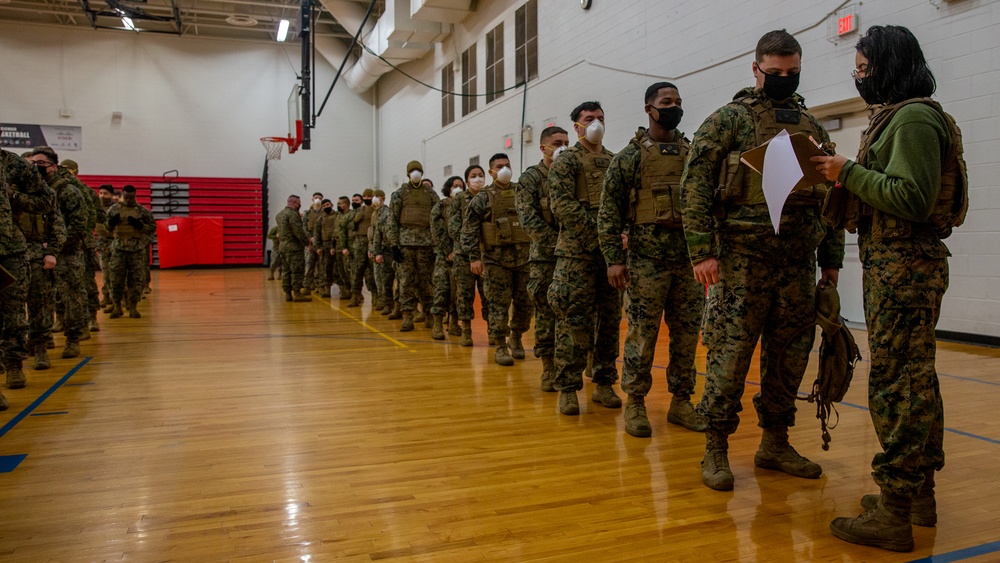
847, 24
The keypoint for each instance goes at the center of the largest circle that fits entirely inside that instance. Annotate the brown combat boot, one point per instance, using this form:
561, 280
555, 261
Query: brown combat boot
72, 350
453, 327
133, 311
407, 325
356, 300
605, 395
396, 313
466, 339
636, 421
304, 291
270, 276
93, 326
923, 510
548, 374
299, 297
42, 360
437, 329
682, 413
4, 405
420, 316
288, 296
715, 472
387, 310
776, 453
887, 525
58, 326
84, 333
377, 303
501, 355
345, 294
116, 310
568, 402
109, 307
15, 375
516, 348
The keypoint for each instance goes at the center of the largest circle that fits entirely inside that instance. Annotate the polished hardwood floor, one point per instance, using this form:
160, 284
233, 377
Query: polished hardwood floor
228, 425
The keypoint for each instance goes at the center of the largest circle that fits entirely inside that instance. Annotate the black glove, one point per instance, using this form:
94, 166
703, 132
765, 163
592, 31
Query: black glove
134, 222
114, 220
397, 254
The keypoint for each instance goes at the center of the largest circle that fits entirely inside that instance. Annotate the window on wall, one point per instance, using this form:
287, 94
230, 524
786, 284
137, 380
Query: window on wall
447, 97
526, 42
494, 63
469, 81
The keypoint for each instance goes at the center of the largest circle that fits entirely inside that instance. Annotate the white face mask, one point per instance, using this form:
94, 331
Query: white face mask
595, 131
477, 182
376, 200
455, 191
416, 176
504, 175
317, 202
557, 152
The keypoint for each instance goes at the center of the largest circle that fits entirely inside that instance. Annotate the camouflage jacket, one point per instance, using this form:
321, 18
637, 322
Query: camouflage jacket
293, 236
74, 204
443, 244
532, 187
746, 229
379, 244
24, 191
100, 215
118, 214
326, 232
401, 235
272, 235
310, 218
456, 215
578, 222
623, 178
52, 241
508, 256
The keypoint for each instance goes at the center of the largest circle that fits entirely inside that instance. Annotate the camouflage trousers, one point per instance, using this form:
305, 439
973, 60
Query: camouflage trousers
416, 272
667, 290
361, 267
41, 303
104, 246
275, 261
72, 290
506, 287
327, 273
757, 300
385, 277
293, 268
12, 299
310, 277
588, 319
539, 280
444, 287
466, 284
92, 263
904, 283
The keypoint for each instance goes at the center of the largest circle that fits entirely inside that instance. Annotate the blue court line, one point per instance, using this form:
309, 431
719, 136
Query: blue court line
49, 413
960, 554
55, 386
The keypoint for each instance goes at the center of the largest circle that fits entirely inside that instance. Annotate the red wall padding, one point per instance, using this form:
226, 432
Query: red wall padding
236, 200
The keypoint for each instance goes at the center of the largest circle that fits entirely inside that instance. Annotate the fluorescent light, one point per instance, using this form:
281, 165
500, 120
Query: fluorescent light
127, 22
282, 30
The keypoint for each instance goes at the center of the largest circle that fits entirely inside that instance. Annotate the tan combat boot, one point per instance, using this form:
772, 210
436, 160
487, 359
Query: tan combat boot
466, 339
305, 291
356, 300
407, 325
377, 303
715, 472
516, 348
15, 375
133, 311
887, 525
605, 395
93, 326
923, 510
289, 297
270, 276
72, 350
58, 326
4, 405
636, 421
453, 328
84, 333
776, 453
501, 355
420, 316
682, 413
299, 297
396, 313
548, 374
437, 329
345, 294
116, 310
42, 360
109, 307
387, 310
568, 403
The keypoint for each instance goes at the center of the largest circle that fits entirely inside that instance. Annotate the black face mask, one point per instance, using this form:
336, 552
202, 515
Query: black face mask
780, 88
42, 169
864, 87
368, 201
355, 205
669, 117
328, 210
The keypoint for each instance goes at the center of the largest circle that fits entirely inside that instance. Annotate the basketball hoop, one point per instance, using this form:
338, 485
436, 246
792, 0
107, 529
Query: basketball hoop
273, 146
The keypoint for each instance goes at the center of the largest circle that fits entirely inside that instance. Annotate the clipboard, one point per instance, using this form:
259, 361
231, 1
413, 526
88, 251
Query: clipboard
804, 150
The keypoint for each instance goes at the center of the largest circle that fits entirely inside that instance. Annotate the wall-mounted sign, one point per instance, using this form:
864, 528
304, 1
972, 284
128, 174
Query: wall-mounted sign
23, 136
847, 24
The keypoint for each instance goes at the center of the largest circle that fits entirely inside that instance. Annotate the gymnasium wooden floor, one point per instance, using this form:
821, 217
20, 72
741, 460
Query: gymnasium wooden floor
228, 425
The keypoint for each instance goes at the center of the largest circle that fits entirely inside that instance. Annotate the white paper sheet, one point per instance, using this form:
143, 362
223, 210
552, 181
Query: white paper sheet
781, 173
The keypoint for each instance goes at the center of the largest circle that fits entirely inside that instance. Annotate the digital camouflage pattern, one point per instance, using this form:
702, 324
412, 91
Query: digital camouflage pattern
416, 271
311, 276
444, 247
532, 188
385, 273
661, 280
70, 271
41, 282
294, 241
360, 269
129, 261
465, 281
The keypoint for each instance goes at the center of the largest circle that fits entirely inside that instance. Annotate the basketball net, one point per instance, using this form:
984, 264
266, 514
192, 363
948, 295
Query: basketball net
273, 146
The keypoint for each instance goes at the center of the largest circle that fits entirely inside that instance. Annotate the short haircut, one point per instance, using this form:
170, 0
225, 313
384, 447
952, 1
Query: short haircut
320, 194
499, 156
107, 188
344, 197
128, 189
450, 182
585, 106
471, 168
897, 69
549, 131
325, 201
356, 195
654, 90
778, 42
47, 152
428, 180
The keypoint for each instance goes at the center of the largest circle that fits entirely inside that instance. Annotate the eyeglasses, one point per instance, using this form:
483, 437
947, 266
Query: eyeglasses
859, 74
43, 163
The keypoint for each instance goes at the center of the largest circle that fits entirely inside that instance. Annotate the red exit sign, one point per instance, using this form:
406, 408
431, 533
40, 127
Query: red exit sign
847, 24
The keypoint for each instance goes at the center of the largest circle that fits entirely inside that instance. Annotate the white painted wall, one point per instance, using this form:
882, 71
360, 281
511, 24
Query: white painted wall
195, 105
612, 52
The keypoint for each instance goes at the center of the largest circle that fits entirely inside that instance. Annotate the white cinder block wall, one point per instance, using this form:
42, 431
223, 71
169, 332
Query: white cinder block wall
612, 52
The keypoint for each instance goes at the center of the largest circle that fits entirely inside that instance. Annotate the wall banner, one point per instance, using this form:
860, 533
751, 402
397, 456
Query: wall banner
23, 136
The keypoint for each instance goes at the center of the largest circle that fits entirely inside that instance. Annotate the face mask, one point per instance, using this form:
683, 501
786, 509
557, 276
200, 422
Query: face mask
557, 152
455, 191
42, 169
416, 176
106, 200
780, 87
355, 205
317, 201
865, 91
670, 117
595, 131
328, 210
367, 201
376, 200
477, 182
504, 175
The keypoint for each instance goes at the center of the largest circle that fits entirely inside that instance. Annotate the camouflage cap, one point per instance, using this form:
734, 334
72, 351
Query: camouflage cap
414, 165
368, 192
828, 308
380, 193
71, 165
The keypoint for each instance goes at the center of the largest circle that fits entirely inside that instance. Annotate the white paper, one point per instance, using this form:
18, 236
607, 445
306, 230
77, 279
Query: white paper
781, 172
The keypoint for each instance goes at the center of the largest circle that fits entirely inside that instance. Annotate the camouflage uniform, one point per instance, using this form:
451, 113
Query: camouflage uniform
661, 281
131, 227
465, 281
386, 271
587, 308
104, 248
326, 233
294, 241
444, 246
90, 249
74, 205
410, 231
27, 192
272, 235
311, 276
767, 287
536, 218
354, 236
506, 263
45, 234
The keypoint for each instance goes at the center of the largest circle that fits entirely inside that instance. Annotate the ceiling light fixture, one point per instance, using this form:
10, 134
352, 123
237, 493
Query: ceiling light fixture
127, 22
282, 30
